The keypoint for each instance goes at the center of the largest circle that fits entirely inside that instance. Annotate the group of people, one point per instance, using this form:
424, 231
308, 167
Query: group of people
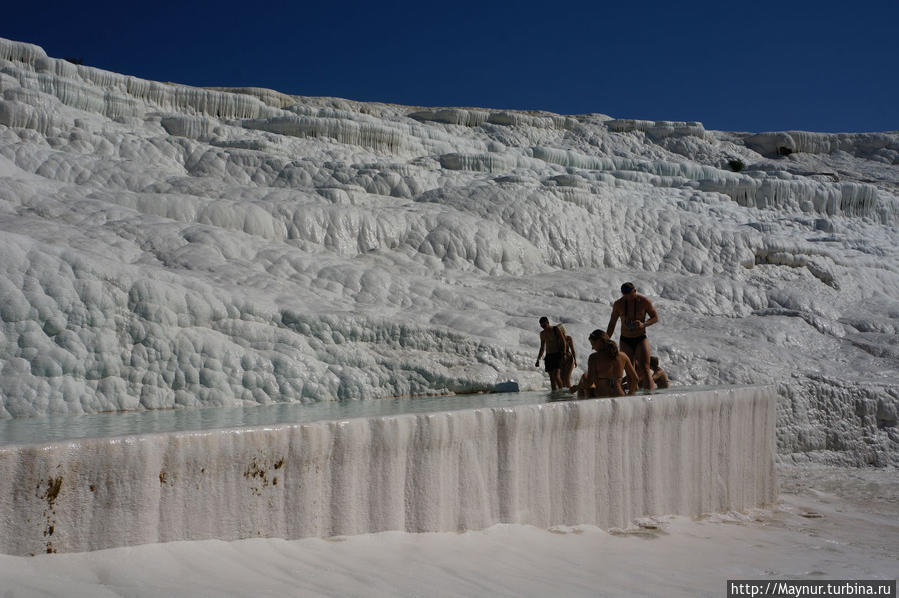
610, 372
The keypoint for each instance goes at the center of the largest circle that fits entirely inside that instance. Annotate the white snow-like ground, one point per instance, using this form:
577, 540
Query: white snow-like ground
830, 523
167, 246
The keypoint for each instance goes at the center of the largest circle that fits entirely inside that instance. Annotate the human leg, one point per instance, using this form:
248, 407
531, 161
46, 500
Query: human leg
567, 368
555, 379
641, 364
553, 363
628, 346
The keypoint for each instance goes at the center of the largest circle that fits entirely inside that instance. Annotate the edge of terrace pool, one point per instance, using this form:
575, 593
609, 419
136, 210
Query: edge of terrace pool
46, 430
597, 461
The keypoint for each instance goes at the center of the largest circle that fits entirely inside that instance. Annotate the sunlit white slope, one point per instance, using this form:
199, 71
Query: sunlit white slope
167, 246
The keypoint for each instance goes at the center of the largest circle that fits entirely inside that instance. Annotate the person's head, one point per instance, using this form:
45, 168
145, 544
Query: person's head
544, 322
601, 343
654, 363
628, 288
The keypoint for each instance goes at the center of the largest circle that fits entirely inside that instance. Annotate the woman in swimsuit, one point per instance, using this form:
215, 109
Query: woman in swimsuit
605, 368
569, 362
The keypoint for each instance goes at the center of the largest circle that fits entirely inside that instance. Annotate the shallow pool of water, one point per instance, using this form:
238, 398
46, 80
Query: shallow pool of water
104, 425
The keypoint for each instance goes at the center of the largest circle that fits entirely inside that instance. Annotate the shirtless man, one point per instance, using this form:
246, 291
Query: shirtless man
552, 340
633, 310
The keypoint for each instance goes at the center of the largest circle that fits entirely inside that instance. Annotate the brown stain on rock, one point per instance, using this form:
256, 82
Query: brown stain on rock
254, 470
257, 474
54, 486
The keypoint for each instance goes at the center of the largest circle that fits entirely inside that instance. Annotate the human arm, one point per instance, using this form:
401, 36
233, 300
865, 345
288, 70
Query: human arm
570, 342
651, 312
613, 320
542, 348
573, 389
591, 378
648, 311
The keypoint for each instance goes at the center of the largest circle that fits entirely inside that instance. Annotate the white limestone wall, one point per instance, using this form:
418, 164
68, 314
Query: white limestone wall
602, 462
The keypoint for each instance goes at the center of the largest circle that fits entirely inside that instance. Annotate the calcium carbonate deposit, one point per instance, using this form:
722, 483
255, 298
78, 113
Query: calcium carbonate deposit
602, 462
168, 246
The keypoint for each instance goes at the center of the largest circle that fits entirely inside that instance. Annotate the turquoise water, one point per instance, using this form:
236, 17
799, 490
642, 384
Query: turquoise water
102, 425
105, 425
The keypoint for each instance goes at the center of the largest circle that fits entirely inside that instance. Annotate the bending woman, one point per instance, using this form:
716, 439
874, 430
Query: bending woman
605, 368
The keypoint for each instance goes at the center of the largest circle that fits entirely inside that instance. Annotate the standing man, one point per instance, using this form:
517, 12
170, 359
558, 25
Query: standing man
552, 339
633, 310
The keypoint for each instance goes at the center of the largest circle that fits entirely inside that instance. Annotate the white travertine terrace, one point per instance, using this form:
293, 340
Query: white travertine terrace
884, 146
657, 129
602, 461
166, 246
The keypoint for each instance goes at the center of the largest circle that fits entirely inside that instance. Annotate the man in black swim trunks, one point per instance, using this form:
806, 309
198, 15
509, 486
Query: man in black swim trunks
633, 310
552, 339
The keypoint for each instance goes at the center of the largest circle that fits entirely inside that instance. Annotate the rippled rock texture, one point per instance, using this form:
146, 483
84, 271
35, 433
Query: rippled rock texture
168, 246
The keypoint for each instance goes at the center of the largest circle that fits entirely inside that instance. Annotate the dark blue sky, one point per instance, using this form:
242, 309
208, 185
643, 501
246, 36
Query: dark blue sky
752, 65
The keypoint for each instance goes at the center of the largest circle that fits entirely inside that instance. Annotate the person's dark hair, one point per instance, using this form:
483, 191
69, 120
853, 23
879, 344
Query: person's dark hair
628, 288
544, 319
654, 362
609, 348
